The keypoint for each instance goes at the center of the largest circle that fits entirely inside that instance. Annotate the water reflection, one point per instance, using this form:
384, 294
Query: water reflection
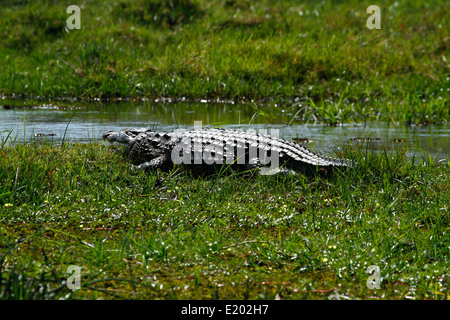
81, 122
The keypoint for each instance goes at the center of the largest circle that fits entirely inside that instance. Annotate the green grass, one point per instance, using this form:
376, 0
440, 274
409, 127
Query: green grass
272, 51
168, 235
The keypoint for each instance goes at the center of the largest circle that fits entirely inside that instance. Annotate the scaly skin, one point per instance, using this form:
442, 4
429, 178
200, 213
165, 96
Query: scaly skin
208, 147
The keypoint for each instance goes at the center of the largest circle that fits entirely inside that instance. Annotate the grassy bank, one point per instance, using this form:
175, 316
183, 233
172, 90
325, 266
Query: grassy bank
318, 54
169, 235
172, 236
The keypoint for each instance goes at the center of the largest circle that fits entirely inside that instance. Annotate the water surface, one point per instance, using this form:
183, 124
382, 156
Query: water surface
83, 122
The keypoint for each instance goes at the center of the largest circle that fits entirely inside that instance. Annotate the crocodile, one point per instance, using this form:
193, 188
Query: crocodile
208, 147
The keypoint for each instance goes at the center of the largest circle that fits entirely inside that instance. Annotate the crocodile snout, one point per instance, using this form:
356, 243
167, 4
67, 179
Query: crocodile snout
106, 134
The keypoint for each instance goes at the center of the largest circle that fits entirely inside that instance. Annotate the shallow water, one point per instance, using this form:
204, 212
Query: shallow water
82, 122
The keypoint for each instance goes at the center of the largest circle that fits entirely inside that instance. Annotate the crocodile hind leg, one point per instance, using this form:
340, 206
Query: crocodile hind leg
269, 169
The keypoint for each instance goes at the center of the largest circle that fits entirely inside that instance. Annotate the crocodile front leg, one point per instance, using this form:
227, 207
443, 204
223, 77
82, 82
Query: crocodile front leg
154, 163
